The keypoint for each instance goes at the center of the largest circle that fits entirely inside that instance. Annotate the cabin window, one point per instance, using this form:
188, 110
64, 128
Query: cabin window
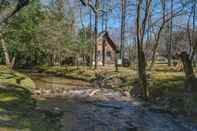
98, 52
108, 54
99, 55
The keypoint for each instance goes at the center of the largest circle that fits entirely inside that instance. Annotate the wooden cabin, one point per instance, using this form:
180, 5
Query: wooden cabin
106, 49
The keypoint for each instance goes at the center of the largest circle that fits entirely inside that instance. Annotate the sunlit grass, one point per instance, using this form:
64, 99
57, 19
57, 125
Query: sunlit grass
5, 117
6, 97
14, 129
7, 129
14, 78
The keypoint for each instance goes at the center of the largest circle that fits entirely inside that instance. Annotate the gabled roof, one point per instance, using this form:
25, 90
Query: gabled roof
106, 35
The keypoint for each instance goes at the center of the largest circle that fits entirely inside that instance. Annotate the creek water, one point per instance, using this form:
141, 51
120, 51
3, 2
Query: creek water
86, 108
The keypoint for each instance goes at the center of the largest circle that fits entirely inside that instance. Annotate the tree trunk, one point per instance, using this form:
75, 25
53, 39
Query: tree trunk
5, 51
116, 61
190, 82
189, 73
140, 30
123, 17
142, 73
103, 16
77, 61
9, 63
155, 47
106, 19
12, 62
96, 33
91, 39
152, 61
171, 41
193, 32
103, 52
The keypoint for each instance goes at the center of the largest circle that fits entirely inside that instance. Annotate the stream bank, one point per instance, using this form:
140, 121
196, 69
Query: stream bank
81, 107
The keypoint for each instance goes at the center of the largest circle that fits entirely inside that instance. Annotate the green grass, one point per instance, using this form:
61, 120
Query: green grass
167, 90
8, 77
17, 106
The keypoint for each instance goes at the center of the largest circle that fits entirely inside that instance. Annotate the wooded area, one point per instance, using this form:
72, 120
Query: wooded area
142, 49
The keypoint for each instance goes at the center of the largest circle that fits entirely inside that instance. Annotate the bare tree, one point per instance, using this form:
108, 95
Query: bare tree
106, 8
123, 18
194, 45
95, 8
141, 24
96, 32
166, 18
91, 37
188, 57
169, 47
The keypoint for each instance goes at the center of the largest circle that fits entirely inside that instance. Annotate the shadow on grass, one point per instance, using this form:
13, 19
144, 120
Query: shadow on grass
173, 84
17, 111
169, 94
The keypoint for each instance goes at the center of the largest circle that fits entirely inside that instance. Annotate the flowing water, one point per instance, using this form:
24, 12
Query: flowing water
85, 108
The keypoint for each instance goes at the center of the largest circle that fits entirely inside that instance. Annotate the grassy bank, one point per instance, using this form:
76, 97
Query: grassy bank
121, 80
8, 77
168, 93
16, 104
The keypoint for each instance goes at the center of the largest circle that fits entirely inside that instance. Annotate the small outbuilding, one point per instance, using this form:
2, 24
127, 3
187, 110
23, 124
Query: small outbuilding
106, 49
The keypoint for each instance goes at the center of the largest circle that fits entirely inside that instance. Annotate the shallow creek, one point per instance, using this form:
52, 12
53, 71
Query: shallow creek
87, 108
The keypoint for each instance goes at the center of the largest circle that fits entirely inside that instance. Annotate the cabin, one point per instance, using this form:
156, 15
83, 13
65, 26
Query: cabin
106, 49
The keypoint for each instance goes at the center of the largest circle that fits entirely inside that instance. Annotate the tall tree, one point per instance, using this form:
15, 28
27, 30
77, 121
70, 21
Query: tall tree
123, 19
91, 38
96, 32
194, 46
170, 38
141, 23
96, 9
